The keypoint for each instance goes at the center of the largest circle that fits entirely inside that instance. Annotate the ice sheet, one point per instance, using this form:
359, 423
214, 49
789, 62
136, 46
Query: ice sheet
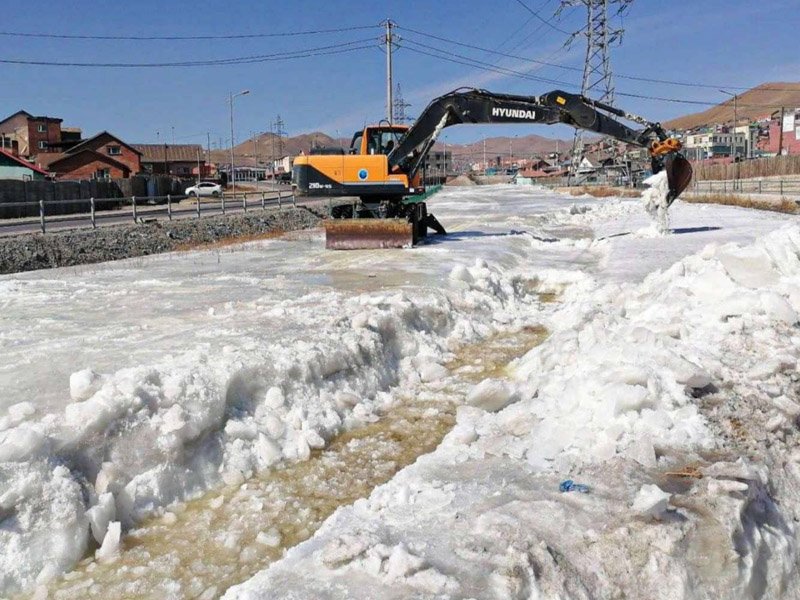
156, 378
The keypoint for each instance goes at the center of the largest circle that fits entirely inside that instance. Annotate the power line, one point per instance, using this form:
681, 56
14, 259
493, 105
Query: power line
542, 19
454, 58
580, 69
534, 36
474, 47
242, 36
473, 62
318, 51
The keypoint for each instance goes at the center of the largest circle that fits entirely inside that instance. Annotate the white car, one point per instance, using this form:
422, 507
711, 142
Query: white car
204, 188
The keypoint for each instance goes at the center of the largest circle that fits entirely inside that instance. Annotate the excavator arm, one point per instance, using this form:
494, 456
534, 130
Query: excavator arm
481, 106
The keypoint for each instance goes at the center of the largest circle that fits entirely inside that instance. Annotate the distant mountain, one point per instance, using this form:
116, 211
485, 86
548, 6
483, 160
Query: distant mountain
759, 102
267, 144
518, 147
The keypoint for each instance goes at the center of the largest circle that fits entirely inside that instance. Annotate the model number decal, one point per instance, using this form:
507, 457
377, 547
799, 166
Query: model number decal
319, 186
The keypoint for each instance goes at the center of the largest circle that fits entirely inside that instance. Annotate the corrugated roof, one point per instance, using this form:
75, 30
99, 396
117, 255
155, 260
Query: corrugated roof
154, 153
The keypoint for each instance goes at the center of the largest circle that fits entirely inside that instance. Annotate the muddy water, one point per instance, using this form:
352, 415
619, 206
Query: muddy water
200, 548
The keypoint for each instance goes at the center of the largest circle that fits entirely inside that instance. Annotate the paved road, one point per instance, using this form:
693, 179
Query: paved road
185, 209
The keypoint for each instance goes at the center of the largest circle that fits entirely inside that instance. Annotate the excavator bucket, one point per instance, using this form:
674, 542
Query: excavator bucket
679, 174
354, 234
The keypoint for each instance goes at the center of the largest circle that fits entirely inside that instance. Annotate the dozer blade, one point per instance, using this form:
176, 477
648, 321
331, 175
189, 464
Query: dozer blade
679, 175
356, 234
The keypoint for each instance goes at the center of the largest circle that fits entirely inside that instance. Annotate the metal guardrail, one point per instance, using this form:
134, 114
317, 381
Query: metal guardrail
142, 209
781, 187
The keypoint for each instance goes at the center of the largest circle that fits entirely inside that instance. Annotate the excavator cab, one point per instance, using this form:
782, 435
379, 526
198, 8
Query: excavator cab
378, 139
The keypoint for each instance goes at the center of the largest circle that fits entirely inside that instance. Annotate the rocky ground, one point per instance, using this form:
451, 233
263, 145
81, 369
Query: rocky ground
29, 252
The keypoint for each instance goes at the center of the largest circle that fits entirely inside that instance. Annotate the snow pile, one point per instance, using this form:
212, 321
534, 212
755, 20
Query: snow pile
672, 399
143, 437
654, 199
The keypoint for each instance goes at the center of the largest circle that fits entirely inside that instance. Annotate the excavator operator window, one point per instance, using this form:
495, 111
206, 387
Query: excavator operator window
355, 143
381, 142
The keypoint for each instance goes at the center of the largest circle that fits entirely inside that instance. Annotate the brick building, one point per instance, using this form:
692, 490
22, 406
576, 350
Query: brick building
103, 156
34, 135
784, 133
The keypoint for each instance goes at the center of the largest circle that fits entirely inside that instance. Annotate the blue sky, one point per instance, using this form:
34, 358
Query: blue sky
710, 42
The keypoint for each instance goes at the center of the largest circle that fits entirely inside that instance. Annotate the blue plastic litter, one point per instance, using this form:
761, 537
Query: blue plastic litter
570, 486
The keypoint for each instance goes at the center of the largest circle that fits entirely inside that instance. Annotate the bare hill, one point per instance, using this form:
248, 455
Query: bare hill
267, 145
759, 102
519, 147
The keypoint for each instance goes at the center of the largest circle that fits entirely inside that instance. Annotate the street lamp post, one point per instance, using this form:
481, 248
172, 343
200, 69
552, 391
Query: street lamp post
734, 153
233, 170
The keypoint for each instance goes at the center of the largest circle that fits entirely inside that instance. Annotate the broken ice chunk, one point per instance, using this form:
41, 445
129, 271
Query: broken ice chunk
109, 551
100, 515
651, 501
84, 383
491, 395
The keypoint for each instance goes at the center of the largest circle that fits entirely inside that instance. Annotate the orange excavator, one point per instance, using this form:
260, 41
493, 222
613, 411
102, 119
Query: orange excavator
383, 167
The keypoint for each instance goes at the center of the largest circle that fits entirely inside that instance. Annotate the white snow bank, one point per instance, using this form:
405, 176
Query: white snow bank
611, 401
146, 436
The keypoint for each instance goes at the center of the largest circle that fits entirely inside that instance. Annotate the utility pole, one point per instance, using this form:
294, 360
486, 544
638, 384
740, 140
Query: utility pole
255, 156
233, 170
484, 156
208, 152
597, 80
389, 102
272, 156
780, 129
734, 144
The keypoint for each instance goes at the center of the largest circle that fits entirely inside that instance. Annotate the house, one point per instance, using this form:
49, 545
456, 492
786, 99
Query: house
283, 165
784, 132
102, 156
437, 162
14, 167
181, 160
70, 137
32, 134
711, 144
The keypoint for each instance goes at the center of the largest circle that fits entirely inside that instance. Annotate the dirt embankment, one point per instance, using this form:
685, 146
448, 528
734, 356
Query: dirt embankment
601, 191
460, 181
29, 252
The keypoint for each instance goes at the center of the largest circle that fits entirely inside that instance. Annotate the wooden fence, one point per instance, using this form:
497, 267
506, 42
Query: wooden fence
774, 166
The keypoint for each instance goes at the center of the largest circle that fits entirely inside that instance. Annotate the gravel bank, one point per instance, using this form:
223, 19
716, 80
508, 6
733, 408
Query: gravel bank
29, 252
